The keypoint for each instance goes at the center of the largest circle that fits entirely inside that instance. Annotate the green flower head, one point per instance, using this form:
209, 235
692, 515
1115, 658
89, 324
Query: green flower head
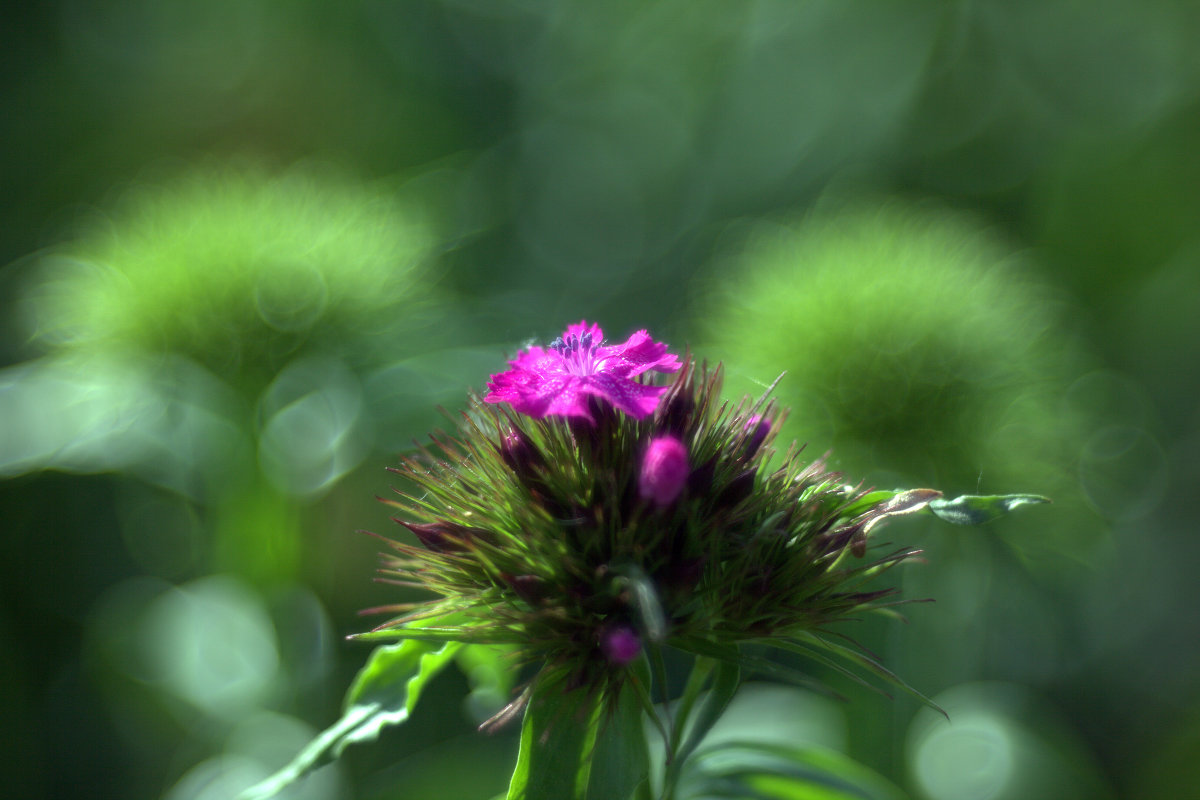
236, 267
917, 345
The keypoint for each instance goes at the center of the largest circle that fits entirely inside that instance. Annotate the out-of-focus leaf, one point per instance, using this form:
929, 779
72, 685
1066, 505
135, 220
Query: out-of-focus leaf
978, 509
384, 693
762, 771
726, 680
687, 737
492, 674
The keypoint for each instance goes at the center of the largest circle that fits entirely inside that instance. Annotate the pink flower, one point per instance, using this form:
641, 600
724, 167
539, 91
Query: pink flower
559, 380
664, 470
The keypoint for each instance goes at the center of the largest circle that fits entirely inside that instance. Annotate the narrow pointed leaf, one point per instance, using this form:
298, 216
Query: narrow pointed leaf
752, 663
978, 509
469, 635
866, 662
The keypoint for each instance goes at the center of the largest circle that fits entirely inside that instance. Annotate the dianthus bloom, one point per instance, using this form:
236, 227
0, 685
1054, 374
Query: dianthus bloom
582, 552
557, 381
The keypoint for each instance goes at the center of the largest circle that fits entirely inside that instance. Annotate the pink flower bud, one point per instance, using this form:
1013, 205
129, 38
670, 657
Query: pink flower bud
664, 470
620, 645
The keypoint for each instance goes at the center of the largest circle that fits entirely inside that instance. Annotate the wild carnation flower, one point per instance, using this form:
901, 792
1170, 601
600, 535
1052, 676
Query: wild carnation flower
533, 532
557, 381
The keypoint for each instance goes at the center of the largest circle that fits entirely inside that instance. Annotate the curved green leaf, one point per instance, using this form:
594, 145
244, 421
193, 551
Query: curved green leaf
384, 692
762, 771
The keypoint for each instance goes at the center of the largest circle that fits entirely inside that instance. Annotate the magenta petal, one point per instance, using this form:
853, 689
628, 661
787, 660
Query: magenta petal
538, 359
568, 400
635, 399
511, 386
557, 381
639, 354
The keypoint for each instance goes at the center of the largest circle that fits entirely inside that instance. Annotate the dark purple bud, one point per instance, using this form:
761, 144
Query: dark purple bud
521, 455
758, 427
737, 490
675, 412
440, 537
681, 576
853, 536
700, 479
664, 470
620, 644
529, 588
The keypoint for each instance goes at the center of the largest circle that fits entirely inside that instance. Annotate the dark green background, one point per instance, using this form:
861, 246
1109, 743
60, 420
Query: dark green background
172, 605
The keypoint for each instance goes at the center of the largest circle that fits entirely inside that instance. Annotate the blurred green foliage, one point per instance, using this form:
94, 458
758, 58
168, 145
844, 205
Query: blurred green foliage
251, 246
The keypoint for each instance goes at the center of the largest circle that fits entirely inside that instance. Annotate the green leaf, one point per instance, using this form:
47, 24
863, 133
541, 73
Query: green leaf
855, 657
866, 502
725, 684
751, 663
978, 509
621, 763
469, 635
763, 771
557, 736
384, 692
492, 672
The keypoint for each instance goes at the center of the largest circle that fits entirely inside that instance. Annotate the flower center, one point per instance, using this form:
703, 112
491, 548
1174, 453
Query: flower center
578, 353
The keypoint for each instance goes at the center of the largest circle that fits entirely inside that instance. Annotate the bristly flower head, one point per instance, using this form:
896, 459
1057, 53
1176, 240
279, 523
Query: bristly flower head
584, 542
558, 381
587, 542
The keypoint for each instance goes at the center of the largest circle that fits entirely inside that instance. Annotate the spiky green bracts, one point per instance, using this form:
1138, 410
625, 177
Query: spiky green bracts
585, 541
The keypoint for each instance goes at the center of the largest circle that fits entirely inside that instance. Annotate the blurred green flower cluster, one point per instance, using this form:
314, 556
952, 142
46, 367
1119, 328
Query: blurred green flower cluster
239, 269
913, 342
